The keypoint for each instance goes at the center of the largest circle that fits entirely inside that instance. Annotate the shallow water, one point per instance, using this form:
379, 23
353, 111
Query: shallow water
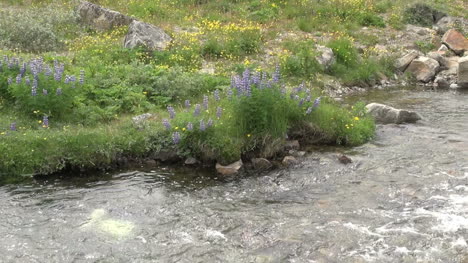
403, 199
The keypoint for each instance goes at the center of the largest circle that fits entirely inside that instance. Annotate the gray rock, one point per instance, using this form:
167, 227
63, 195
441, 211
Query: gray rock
449, 22
261, 164
443, 48
385, 114
441, 83
140, 119
463, 72
424, 68
326, 58
141, 34
454, 86
292, 145
231, 169
402, 63
422, 31
191, 161
101, 18
289, 160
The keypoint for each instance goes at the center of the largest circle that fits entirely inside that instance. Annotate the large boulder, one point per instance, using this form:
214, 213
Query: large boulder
463, 72
449, 22
101, 18
231, 169
385, 114
402, 63
424, 68
145, 35
455, 41
325, 56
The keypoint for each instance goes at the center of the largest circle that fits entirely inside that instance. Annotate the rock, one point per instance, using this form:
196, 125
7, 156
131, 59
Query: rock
166, 156
442, 49
422, 31
449, 22
231, 169
423, 68
292, 145
289, 160
454, 86
344, 159
151, 163
439, 58
463, 72
191, 161
101, 18
141, 34
402, 63
441, 83
261, 164
326, 58
455, 41
138, 120
385, 114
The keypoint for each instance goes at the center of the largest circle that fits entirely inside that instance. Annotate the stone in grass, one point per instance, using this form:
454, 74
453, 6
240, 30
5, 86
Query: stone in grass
101, 18
145, 35
385, 114
463, 72
231, 169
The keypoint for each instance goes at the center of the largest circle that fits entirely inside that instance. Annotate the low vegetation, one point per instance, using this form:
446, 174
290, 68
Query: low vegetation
68, 93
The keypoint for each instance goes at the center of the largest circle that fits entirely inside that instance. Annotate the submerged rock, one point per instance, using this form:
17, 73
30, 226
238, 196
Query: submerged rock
231, 169
100, 221
289, 160
292, 145
424, 68
261, 164
145, 35
385, 114
191, 161
455, 41
101, 18
344, 159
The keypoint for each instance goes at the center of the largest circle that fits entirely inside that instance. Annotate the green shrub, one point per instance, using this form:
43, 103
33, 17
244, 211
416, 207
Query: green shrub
422, 14
344, 51
369, 19
302, 62
36, 30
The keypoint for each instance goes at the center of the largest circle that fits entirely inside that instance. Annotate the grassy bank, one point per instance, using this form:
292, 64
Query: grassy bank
68, 93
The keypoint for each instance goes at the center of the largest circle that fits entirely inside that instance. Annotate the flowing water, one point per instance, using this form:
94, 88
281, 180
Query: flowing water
403, 199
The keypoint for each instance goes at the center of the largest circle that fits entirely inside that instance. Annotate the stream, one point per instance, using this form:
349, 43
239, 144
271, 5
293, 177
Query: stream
404, 198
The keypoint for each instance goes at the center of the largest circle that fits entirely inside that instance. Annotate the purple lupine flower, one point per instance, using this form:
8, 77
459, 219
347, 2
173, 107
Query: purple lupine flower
33, 91
202, 125
48, 71
308, 98
248, 90
197, 110
176, 137
35, 83
23, 69
45, 92
256, 78
45, 121
216, 95
301, 102
82, 75
13, 126
18, 79
187, 104
10, 81
27, 81
205, 102
172, 112
316, 102
190, 126
307, 91
210, 123
309, 110
219, 112
166, 124
297, 97
67, 79
276, 75
58, 92
229, 93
